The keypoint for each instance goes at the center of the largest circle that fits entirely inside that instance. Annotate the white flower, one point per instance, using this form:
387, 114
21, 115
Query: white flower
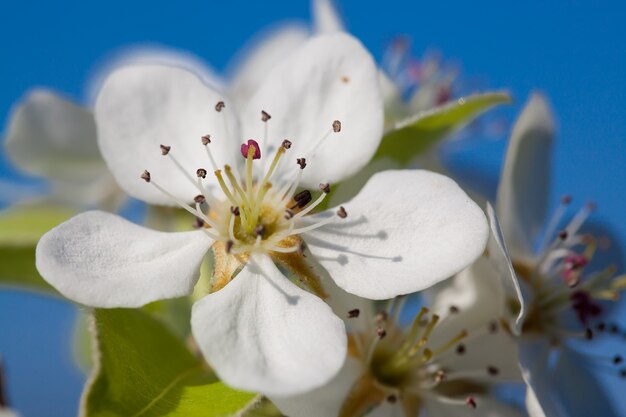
317, 119
440, 365
556, 304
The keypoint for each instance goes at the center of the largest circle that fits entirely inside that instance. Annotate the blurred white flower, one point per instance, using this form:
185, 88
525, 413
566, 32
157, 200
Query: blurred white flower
552, 302
405, 231
441, 365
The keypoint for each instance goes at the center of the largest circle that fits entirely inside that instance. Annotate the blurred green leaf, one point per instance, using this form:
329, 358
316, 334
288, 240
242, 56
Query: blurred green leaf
20, 229
418, 133
24, 225
17, 270
145, 370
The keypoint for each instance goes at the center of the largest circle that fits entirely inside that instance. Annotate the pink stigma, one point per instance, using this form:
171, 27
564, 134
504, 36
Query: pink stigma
246, 147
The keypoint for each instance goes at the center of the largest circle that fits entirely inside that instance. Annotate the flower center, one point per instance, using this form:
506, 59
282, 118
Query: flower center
558, 282
257, 212
403, 364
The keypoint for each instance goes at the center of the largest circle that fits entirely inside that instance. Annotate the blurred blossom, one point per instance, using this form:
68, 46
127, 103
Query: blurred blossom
54, 139
556, 303
445, 363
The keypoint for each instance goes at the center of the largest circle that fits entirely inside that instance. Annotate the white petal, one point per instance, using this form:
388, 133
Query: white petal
326, 19
51, 137
405, 231
499, 256
325, 401
263, 333
485, 407
144, 106
101, 260
257, 59
542, 400
580, 388
151, 54
524, 183
331, 77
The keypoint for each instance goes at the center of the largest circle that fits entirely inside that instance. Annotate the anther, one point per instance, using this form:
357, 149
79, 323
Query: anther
622, 373
345, 79
471, 402
460, 349
200, 199
614, 328
286, 144
229, 246
563, 235
235, 211
301, 248
289, 214
600, 327
301, 162
381, 333
588, 334
325, 187
259, 230
206, 139
219, 106
265, 116
165, 149
145, 176
493, 327
201, 173
354, 313
492, 370
617, 359
454, 310
566, 199
392, 399
336, 126
302, 198
342, 212
198, 223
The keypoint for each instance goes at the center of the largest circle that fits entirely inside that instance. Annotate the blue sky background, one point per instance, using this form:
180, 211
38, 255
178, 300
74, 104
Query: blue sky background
573, 50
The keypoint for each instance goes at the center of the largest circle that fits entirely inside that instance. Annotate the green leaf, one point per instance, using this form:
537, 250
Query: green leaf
144, 370
418, 133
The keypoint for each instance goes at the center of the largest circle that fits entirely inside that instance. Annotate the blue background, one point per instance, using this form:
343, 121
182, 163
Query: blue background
572, 50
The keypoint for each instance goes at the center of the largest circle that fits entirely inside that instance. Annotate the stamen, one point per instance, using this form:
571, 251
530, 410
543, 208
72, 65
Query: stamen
301, 162
182, 170
206, 139
312, 226
325, 188
165, 149
342, 213
224, 188
219, 106
265, 116
201, 173
145, 176
184, 205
